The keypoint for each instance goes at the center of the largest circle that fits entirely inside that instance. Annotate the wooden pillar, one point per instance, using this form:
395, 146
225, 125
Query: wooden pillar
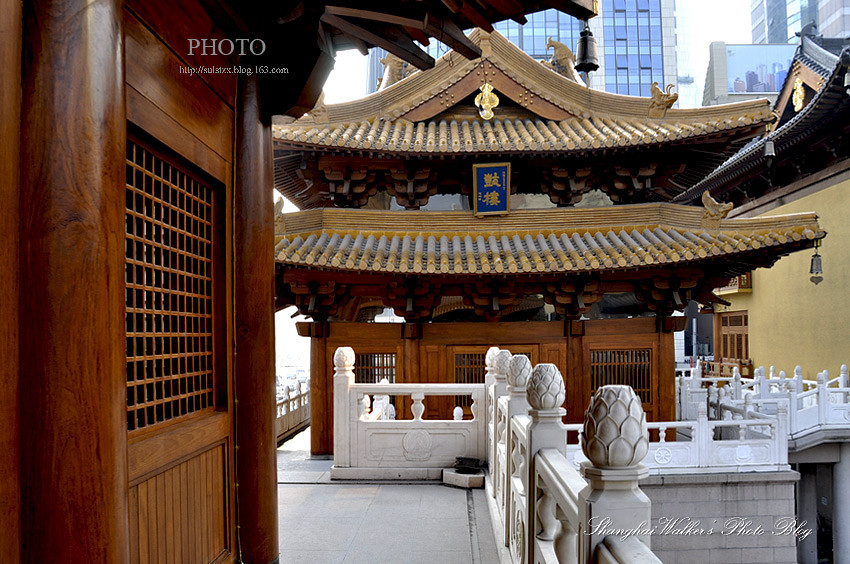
256, 455
667, 366
72, 387
411, 334
576, 380
10, 132
321, 391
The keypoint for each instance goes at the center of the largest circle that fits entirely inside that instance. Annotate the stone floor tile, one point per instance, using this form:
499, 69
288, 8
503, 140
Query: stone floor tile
311, 557
440, 557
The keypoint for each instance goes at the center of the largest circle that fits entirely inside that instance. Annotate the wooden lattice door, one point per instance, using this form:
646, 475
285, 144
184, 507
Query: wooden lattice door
178, 422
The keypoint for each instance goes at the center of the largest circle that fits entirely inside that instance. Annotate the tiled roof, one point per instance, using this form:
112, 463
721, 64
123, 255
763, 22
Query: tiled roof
507, 135
527, 241
559, 114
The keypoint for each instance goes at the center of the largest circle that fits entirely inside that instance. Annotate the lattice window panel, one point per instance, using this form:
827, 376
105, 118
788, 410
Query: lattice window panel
371, 368
630, 367
469, 368
169, 291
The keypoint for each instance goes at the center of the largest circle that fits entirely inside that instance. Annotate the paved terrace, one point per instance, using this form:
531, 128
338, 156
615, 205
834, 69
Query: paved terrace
330, 522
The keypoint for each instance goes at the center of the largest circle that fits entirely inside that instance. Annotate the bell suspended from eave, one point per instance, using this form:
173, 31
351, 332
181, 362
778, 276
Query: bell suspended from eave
586, 57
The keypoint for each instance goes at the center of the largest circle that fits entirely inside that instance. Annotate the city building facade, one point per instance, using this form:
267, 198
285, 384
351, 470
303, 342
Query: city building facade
778, 21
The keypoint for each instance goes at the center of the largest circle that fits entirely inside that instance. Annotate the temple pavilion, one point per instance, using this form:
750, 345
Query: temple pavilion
392, 198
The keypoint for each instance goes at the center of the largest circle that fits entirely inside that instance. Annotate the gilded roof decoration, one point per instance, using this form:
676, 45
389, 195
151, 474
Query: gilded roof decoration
528, 241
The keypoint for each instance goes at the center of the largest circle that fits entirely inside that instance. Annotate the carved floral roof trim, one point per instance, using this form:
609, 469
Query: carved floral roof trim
560, 240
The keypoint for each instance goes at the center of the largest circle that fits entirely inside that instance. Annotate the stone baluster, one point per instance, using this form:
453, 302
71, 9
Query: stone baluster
343, 379
615, 441
547, 524
365, 406
457, 413
545, 393
662, 434
418, 408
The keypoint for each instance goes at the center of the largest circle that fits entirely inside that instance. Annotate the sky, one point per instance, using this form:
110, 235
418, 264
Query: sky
700, 22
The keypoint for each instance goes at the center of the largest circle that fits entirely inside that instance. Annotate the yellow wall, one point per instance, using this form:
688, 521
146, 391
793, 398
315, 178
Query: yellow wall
792, 320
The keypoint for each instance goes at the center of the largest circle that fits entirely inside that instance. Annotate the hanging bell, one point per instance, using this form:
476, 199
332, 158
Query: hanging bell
817, 264
586, 58
816, 269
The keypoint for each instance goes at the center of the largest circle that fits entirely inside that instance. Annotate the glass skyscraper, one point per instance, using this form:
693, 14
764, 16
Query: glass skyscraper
778, 21
635, 39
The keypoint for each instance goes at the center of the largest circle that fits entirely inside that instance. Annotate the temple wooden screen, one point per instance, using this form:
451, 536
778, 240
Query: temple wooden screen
630, 367
371, 368
467, 367
169, 291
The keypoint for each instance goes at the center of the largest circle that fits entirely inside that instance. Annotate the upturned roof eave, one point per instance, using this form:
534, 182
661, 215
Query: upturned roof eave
790, 133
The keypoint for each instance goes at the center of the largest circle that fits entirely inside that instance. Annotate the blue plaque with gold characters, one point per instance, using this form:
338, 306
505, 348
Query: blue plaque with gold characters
491, 188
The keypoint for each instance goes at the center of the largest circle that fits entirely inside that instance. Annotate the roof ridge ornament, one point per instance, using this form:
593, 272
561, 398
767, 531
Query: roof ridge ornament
563, 61
661, 101
714, 211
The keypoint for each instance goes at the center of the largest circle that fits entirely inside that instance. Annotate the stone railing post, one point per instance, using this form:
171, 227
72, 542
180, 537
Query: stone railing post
343, 378
490, 408
499, 465
615, 441
736, 383
489, 364
545, 393
518, 373
823, 397
500, 372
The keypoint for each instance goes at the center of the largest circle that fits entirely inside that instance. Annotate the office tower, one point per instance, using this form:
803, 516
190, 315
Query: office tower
636, 41
777, 21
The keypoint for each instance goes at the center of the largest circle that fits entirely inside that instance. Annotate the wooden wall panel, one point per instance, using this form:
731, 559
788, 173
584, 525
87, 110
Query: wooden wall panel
181, 515
182, 21
154, 71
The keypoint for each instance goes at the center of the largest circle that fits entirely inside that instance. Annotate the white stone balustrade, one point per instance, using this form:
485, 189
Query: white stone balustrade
292, 411
812, 406
367, 447
752, 444
543, 501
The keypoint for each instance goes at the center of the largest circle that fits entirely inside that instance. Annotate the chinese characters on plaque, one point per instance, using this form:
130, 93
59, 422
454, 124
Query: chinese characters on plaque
491, 188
